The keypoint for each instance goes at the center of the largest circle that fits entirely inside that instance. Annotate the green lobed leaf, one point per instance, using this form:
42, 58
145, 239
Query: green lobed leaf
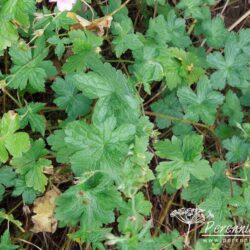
91, 206
197, 9
238, 149
124, 37
180, 67
214, 31
19, 10
28, 193
69, 98
216, 204
98, 146
169, 105
197, 190
200, 105
185, 160
170, 31
29, 70
60, 44
6, 243
231, 68
115, 95
11, 141
232, 108
32, 166
85, 48
29, 115
7, 179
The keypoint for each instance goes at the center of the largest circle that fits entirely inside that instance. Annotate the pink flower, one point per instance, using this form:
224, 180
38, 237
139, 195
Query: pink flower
63, 5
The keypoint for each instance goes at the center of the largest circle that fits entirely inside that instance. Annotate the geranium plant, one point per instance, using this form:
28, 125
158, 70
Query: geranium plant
124, 125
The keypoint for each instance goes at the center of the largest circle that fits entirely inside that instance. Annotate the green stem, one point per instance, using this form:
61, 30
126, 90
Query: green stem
191, 28
14, 208
120, 61
12, 97
180, 120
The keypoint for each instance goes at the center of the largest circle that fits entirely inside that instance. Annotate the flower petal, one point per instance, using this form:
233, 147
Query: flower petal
63, 5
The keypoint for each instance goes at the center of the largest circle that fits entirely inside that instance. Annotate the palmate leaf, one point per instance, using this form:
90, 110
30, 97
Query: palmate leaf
60, 44
168, 105
185, 160
136, 172
19, 10
238, 149
61, 22
94, 236
170, 31
133, 213
242, 204
6, 243
11, 141
124, 37
231, 68
91, 204
69, 98
7, 176
216, 204
85, 48
232, 108
16, 11
146, 67
116, 96
57, 143
30, 71
144, 240
181, 68
168, 241
154, 62
10, 218
197, 9
200, 189
29, 115
7, 179
214, 31
96, 146
32, 166
200, 105
8, 35
28, 193
244, 41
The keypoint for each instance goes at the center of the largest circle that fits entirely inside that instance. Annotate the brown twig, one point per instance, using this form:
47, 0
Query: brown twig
155, 96
118, 9
237, 22
29, 243
164, 213
180, 120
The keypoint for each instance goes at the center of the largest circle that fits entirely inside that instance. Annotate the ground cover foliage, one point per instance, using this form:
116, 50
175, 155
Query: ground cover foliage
116, 114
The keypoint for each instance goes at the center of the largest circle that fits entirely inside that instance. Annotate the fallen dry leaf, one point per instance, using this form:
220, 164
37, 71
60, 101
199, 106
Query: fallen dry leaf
48, 170
44, 220
97, 25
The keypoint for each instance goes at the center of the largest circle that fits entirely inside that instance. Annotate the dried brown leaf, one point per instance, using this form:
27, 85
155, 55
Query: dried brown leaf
44, 220
97, 25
